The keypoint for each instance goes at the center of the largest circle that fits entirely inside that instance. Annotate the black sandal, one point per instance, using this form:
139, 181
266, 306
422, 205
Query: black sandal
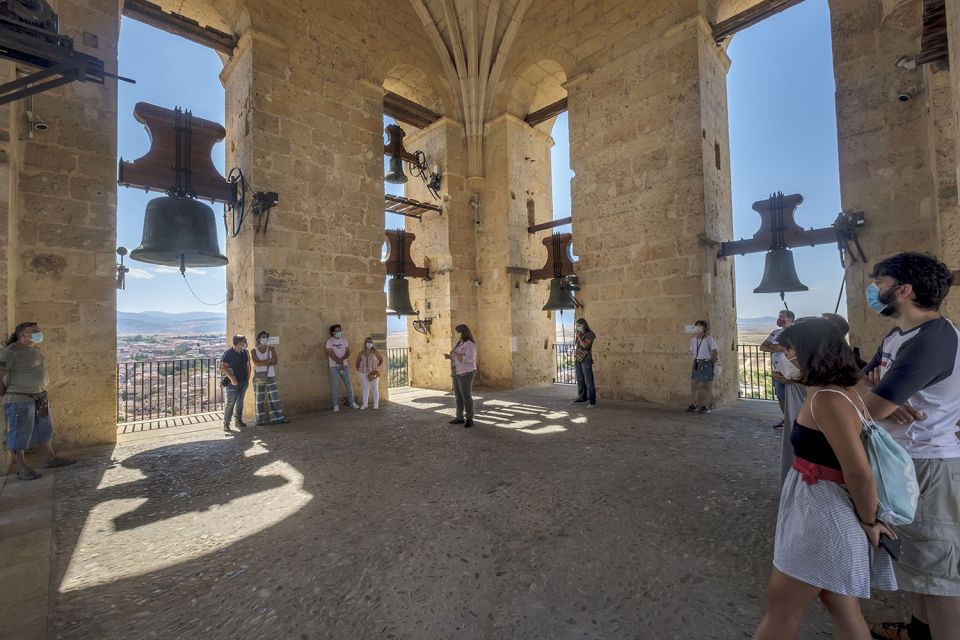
28, 474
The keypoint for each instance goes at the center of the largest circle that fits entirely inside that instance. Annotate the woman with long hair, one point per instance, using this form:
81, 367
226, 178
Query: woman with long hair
463, 367
583, 362
828, 535
368, 366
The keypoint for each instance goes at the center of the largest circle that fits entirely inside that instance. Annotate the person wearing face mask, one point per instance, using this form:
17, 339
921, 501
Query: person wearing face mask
338, 354
235, 365
583, 367
23, 385
772, 346
913, 391
794, 394
827, 542
368, 366
265, 389
463, 367
705, 352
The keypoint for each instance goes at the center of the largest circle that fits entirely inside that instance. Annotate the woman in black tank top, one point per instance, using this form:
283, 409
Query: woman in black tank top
827, 536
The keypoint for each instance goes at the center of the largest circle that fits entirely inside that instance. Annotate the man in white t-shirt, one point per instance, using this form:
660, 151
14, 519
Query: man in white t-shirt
772, 346
914, 393
338, 353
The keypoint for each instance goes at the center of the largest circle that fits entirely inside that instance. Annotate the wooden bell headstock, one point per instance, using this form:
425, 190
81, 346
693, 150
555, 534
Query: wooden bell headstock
180, 155
558, 263
398, 260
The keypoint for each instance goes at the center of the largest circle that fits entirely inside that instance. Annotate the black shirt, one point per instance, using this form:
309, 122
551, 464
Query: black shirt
239, 361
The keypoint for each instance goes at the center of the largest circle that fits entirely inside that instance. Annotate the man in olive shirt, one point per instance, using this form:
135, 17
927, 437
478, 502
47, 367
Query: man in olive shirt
23, 385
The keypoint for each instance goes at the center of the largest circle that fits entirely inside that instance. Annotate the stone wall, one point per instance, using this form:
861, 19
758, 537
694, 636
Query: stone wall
887, 163
60, 261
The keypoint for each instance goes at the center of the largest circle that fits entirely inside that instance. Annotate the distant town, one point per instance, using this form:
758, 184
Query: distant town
136, 348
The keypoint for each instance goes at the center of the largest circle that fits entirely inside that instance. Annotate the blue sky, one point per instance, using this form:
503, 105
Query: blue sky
782, 137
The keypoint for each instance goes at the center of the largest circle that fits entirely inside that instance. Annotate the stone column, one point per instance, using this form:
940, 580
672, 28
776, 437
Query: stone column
651, 197
446, 244
885, 168
299, 125
63, 233
515, 336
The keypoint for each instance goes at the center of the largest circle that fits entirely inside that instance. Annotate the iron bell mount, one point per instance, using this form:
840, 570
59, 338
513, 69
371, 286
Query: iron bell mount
417, 161
179, 230
400, 266
779, 232
559, 269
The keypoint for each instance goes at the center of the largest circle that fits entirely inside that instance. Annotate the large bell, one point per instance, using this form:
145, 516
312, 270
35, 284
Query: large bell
395, 175
179, 232
561, 296
398, 298
780, 273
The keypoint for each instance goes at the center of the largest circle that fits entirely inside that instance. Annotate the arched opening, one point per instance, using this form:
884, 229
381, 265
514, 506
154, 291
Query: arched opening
171, 329
783, 137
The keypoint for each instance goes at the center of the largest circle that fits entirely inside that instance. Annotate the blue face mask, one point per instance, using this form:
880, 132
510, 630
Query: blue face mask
874, 301
36, 338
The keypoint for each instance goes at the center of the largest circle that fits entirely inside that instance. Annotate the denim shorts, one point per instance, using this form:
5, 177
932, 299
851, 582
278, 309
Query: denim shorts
24, 426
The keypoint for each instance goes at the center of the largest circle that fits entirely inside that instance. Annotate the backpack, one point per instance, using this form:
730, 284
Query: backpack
893, 470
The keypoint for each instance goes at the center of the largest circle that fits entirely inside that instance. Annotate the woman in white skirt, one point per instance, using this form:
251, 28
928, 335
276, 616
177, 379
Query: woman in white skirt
827, 539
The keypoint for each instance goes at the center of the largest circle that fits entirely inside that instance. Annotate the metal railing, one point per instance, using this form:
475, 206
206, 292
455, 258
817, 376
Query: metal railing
398, 369
565, 364
755, 372
153, 389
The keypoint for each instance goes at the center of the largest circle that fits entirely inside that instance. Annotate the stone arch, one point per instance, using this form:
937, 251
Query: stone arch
412, 83
541, 83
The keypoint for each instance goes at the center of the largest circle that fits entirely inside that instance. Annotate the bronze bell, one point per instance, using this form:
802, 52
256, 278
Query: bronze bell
780, 273
179, 232
395, 175
561, 295
398, 298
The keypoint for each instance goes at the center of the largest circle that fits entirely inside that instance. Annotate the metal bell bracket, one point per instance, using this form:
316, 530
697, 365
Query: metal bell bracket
777, 226
416, 160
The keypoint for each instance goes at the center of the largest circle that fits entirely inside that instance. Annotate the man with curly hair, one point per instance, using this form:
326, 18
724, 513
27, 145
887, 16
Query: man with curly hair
914, 393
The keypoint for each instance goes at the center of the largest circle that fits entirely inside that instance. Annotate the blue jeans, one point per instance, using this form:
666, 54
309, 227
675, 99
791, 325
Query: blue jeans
586, 390
779, 390
337, 374
24, 425
234, 404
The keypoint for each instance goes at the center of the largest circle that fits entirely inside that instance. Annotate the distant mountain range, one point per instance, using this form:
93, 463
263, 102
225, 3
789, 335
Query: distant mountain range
763, 322
200, 322
160, 322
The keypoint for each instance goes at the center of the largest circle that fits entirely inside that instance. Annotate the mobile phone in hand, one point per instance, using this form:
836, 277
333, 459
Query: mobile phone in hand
890, 545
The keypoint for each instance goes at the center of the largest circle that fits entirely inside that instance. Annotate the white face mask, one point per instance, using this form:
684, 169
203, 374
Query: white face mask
262, 341
337, 334
36, 337
369, 345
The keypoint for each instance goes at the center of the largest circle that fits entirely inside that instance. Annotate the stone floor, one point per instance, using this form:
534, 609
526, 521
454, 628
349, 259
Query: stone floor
546, 521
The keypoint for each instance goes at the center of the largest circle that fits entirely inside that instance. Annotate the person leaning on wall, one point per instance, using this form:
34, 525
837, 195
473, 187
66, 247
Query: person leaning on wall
23, 385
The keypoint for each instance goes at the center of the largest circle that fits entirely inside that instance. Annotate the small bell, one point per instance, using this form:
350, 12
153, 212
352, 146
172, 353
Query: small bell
395, 175
780, 273
561, 295
398, 298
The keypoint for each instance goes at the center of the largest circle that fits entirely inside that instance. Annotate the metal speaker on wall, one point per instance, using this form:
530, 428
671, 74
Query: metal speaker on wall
398, 298
780, 273
561, 296
179, 232
395, 175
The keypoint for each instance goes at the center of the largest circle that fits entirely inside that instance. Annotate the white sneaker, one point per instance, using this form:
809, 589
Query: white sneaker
355, 405
376, 406
363, 406
336, 408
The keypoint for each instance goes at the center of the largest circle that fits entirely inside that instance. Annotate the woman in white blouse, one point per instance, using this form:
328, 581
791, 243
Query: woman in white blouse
463, 361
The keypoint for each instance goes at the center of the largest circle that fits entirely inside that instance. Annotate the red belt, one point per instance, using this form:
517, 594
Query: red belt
812, 473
